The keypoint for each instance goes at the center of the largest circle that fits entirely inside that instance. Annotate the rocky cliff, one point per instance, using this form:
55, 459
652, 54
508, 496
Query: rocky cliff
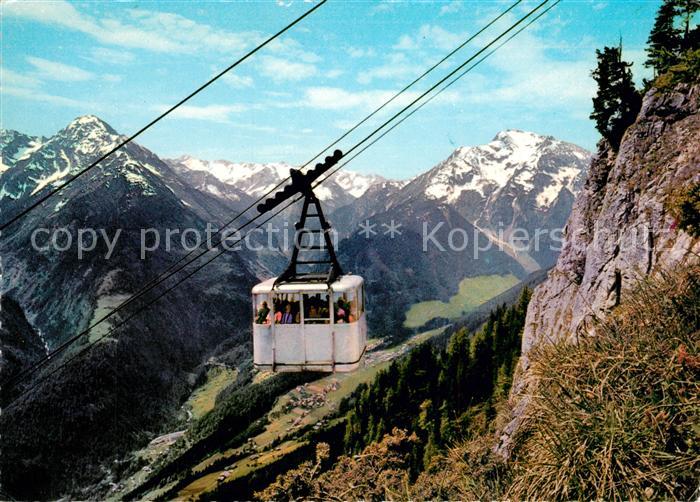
622, 228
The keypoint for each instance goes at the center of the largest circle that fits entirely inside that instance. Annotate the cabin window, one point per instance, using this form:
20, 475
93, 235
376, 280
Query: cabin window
345, 306
316, 308
262, 311
286, 306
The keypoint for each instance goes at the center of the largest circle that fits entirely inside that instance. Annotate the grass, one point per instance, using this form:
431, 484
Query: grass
203, 399
617, 415
105, 305
473, 291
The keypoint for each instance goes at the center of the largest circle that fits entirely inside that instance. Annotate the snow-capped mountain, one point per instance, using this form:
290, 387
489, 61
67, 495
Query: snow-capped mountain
138, 375
518, 180
258, 179
540, 165
131, 190
538, 168
14, 146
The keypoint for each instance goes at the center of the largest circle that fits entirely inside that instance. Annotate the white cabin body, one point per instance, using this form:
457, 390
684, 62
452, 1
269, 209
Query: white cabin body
302, 326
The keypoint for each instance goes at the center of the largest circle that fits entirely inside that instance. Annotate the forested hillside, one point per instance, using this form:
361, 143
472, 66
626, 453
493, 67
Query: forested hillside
440, 396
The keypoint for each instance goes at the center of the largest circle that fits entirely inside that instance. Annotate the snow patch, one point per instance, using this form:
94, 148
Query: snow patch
27, 152
152, 169
138, 179
564, 178
48, 180
60, 205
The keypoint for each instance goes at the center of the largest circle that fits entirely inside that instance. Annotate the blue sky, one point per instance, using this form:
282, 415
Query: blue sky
125, 61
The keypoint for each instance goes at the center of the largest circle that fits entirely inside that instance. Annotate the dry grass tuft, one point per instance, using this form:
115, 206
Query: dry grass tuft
616, 416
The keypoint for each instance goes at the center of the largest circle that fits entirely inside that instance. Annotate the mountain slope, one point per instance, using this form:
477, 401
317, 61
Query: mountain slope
623, 229
21, 345
520, 180
136, 377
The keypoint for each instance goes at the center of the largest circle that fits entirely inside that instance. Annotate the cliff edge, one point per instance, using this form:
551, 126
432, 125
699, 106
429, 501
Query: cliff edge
622, 228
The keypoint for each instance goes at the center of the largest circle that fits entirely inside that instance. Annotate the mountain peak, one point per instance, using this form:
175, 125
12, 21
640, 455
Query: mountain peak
86, 122
514, 158
88, 134
519, 138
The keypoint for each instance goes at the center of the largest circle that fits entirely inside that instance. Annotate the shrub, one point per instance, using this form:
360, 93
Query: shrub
687, 70
686, 208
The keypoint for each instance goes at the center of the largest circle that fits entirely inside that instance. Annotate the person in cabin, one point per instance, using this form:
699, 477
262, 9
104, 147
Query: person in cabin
278, 312
287, 317
350, 310
340, 312
263, 313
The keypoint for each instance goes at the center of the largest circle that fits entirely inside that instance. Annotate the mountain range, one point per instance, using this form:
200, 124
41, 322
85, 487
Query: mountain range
519, 180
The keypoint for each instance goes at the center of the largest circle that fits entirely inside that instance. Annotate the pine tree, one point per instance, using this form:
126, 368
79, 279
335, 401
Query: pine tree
617, 102
686, 9
664, 40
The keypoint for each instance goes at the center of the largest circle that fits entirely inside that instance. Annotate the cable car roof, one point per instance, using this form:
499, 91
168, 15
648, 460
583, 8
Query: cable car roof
341, 284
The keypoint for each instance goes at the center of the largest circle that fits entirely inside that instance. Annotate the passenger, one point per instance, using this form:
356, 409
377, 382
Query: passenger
287, 317
313, 312
340, 312
263, 313
323, 312
278, 312
351, 317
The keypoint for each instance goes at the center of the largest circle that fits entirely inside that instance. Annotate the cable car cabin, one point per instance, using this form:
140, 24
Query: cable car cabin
311, 317
309, 326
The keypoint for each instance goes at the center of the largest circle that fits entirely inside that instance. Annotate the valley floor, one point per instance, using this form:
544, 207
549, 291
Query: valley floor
307, 407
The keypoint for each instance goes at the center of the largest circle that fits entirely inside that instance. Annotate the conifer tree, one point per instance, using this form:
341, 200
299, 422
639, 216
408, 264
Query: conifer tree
617, 101
665, 39
686, 9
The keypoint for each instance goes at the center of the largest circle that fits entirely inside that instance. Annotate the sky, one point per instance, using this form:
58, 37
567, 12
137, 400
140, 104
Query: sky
128, 61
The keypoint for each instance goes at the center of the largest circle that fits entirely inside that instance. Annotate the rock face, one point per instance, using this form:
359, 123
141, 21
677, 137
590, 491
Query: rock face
621, 228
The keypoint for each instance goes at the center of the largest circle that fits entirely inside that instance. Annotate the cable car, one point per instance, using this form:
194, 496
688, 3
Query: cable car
311, 317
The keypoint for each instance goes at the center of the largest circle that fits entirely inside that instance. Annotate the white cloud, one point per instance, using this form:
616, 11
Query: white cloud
396, 66
51, 70
291, 49
358, 52
522, 74
213, 113
451, 8
150, 30
12, 78
334, 73
107, 56
237, 81
280, 70
335, 98
430, 36
383, 6
36, 95
254, 127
